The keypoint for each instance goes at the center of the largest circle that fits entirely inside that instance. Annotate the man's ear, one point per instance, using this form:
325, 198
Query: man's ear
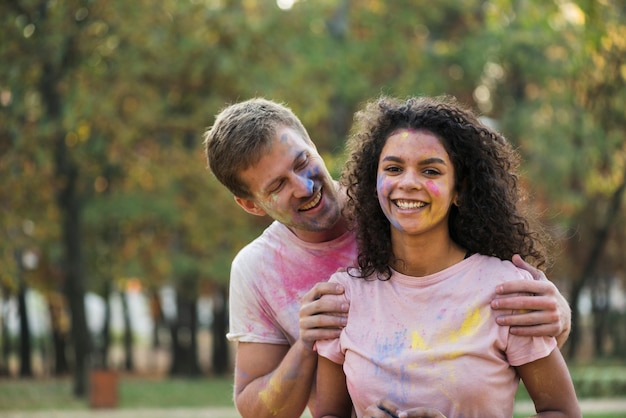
250, 206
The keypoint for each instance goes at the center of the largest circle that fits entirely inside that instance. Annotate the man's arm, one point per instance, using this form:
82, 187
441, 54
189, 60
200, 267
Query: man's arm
544, 313
273, 380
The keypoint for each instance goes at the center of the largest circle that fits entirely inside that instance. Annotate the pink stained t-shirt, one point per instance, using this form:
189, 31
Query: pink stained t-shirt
433, 341
270, 275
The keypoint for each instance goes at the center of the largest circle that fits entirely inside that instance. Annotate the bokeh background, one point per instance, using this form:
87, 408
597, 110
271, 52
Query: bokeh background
115, 239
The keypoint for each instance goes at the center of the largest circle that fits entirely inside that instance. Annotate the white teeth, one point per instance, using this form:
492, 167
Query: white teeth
313, 203
409, 204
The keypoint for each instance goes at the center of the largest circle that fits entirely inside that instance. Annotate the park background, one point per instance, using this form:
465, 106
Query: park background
115, 239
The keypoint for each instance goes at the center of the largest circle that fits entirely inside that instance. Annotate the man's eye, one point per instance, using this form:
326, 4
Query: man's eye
275, 188
302, 163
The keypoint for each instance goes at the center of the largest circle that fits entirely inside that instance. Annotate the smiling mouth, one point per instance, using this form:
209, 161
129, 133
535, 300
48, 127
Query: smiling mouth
312, 203
409, 204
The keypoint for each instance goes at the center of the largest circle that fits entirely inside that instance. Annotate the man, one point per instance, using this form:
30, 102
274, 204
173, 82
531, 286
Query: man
263, 154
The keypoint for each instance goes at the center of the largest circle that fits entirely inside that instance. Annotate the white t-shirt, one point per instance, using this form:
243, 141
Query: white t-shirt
433, 341
270, 275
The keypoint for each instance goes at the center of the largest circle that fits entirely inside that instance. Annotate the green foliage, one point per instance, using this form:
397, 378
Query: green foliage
600, 381
139, 82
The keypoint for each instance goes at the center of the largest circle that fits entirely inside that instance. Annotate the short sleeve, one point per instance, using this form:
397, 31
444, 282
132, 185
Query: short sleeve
249, 318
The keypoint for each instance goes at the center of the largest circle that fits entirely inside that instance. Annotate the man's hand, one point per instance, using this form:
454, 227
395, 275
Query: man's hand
545, 312
322, 318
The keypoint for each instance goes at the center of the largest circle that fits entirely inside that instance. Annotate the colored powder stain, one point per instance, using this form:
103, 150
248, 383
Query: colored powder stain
267, 396
454, 354
417, 342
441, 314
310, 184
433, 188
314, 172
469, 325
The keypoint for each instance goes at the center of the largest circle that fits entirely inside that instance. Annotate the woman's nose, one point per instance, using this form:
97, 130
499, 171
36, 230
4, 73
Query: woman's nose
411, 180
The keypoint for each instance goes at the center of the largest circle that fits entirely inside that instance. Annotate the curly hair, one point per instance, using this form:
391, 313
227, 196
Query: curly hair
487, 218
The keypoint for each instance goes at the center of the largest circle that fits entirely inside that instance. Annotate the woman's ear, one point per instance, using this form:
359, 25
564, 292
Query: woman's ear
455, 199
250, 206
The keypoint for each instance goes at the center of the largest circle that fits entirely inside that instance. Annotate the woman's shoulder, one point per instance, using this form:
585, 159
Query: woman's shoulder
503, 269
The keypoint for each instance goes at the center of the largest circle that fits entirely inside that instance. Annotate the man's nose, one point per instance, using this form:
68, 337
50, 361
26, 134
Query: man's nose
303, 186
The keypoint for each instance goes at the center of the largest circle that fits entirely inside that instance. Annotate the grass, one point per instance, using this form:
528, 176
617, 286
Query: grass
137, 392
133, 392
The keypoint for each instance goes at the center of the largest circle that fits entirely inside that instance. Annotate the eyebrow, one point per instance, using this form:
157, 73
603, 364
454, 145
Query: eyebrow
433, 160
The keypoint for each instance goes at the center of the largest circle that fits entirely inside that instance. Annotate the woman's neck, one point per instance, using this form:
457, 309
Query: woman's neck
417, 256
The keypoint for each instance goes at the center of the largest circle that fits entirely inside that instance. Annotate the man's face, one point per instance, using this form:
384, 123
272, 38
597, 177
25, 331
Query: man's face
291, 184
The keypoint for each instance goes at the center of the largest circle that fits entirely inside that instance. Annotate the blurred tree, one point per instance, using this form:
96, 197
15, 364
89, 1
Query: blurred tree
42, 59
557, 82
104, 104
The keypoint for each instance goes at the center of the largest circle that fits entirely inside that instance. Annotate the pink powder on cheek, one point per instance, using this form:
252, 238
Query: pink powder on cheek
433, 187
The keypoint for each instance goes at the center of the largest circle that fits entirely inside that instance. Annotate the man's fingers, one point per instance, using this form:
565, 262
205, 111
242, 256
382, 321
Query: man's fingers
530, 318
323, 321
536, 273
329, 304
323, 313
320, 334
321, 327
320, 289
538, 303
527, 286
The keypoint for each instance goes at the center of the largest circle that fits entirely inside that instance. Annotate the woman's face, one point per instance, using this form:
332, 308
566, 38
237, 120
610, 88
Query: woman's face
415, 182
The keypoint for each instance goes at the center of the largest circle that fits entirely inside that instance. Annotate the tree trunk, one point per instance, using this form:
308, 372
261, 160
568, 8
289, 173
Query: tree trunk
106, 331
591, 264
58, 323
221, 358
184, 338
26, 369
6, 340
70, 208
156, 311
128, 333
74, 287
68, 201
600, 309
101, 359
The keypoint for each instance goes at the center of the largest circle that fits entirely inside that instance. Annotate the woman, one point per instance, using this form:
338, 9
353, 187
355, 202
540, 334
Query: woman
436, 205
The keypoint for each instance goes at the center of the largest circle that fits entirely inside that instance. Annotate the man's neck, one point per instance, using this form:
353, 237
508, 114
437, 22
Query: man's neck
330, 234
